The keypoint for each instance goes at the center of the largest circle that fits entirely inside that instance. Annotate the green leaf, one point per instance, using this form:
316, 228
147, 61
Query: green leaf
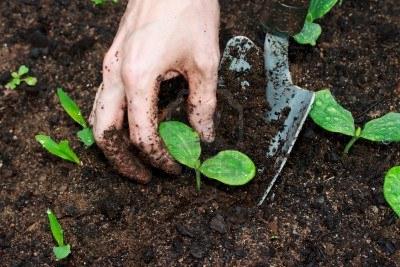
384, 129
62, 252
23, 70
62, 150
391, 189
15, 75
229, 167
182, 142
31, 81
319, 8
309, 34
86, 136
71, 107
55, 228
328, 114
12, 84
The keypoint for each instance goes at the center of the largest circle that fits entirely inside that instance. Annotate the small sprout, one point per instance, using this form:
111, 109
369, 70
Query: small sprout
62, 150
61, 251
20, 76
86, 136
328, 114
391, 189
102, 2
229, 167
311, 31
72, 109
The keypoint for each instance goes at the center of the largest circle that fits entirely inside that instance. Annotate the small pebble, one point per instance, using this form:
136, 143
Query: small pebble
218, 224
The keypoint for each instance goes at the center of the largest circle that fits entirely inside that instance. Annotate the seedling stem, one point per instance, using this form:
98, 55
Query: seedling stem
198, 179
353, 140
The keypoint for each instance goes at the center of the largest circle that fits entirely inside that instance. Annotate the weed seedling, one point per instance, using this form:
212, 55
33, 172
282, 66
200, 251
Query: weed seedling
229, 167
62, 250
328, 114
311, 31
72, 109
62, 149
391, 189
21, 76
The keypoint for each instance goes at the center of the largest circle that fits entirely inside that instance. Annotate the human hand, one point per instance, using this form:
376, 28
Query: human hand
156, 41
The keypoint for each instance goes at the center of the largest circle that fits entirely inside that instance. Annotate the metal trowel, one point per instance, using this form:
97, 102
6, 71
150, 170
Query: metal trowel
289, 104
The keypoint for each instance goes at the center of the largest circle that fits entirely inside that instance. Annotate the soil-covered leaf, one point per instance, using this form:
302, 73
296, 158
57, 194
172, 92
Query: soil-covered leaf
328, 114
182, 142
62, 150
86, 136
62, 252
229, 167
391, 189
71, 107
384, 129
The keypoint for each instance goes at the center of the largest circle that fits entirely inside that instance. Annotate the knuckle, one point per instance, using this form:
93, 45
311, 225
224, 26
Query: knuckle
109, 63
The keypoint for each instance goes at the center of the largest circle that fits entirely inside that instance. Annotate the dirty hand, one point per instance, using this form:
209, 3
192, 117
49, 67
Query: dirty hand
157, 40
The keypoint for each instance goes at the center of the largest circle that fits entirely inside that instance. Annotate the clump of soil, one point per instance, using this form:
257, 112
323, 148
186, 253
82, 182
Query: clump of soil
326, 210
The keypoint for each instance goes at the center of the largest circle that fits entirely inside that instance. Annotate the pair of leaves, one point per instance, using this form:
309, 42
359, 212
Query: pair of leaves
183, 143
72, 109
311, 31
61, 251
63, 149
17, 78
391, 189
331, 116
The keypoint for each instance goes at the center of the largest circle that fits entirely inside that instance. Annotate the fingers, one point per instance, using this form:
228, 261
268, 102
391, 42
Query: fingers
107, 119
142, 96
202, 99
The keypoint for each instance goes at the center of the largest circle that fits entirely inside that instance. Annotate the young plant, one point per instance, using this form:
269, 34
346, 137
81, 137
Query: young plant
391, 189
72, 109
62, 149
62, 250
229, 167
20, 76
102, 2
328, 114
311, 31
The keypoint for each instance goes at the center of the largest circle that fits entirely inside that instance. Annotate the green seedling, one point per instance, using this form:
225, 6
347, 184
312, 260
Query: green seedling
229, 167
62, 250
328, 114
102, 2
62, 149
21, 76
72, 109
391, 189
311, 31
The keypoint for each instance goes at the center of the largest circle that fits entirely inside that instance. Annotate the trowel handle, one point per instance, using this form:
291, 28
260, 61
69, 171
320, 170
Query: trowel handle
285, 16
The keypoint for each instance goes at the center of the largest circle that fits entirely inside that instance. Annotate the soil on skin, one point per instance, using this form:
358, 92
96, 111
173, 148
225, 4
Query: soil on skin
325, 210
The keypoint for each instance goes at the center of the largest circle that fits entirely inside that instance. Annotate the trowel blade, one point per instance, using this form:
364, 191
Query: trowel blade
289, 104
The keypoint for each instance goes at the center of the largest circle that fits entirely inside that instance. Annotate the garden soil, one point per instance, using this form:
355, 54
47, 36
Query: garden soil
325, 210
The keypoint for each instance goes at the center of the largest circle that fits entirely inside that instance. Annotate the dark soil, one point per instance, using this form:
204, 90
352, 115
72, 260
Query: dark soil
325, 210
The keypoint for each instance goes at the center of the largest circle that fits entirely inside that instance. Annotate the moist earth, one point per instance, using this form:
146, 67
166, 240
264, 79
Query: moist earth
325, 210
